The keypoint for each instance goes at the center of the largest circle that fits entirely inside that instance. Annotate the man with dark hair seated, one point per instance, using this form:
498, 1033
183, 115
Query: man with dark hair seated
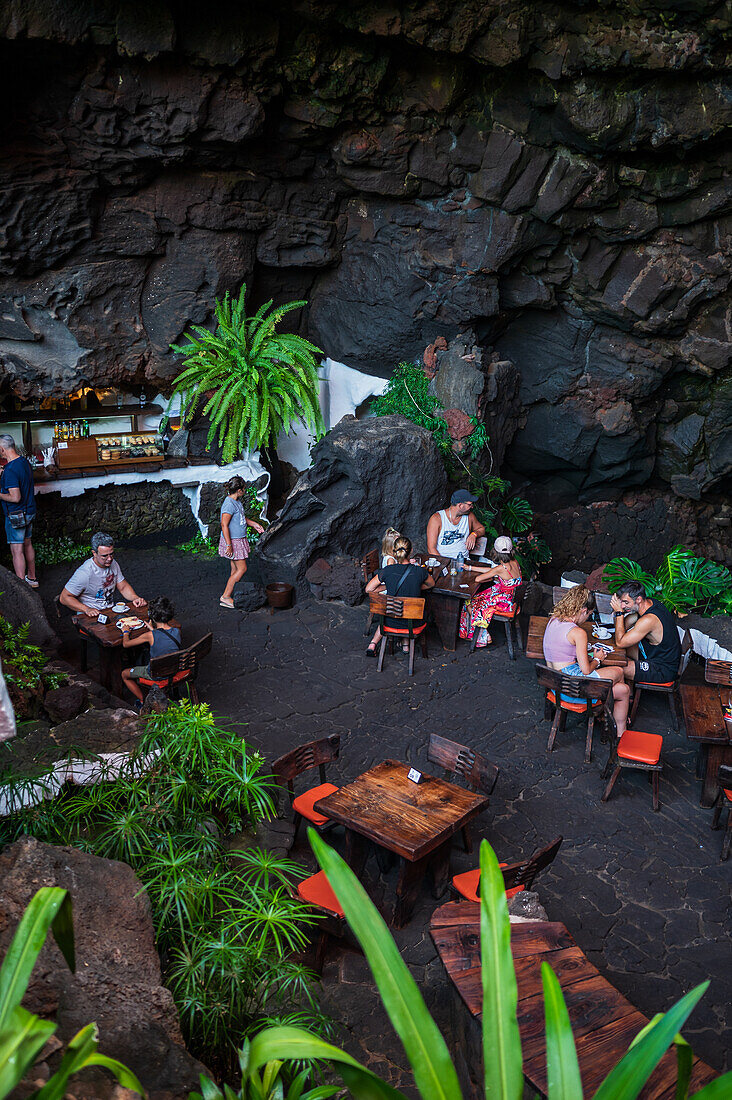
162, 638
652, 641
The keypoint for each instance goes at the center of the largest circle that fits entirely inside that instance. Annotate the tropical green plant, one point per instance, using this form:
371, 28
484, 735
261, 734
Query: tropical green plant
267, 1085
53, 551
434, 1073
24, 668
249, 380
683, 581
227, 919
199, 546
407, 394
23, 1035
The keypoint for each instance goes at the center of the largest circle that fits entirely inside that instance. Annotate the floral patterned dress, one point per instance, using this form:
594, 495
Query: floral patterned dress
479, 611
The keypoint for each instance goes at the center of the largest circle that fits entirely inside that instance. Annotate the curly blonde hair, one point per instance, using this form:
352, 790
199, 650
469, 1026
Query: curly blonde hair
577, 599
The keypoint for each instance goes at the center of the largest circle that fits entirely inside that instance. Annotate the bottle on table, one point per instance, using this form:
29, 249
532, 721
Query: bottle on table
460, 562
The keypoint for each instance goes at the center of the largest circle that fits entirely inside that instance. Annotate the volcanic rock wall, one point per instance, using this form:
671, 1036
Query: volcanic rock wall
554, 178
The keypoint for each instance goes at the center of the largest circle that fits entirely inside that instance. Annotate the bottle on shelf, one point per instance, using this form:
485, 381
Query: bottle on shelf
85, 431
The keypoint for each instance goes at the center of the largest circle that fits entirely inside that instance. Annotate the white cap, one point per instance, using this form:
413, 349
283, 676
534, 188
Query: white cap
503, 545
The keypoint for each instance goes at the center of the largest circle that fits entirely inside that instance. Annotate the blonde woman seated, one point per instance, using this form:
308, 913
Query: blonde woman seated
387, 558
506, 576
566, 649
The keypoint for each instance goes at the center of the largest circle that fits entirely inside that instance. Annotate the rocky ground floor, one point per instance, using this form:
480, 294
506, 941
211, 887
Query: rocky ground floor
643, 894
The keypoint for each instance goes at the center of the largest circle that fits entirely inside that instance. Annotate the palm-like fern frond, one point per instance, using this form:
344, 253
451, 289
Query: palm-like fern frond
251, 381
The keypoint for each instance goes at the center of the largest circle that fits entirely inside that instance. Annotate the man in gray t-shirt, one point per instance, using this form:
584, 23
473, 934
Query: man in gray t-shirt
91, 589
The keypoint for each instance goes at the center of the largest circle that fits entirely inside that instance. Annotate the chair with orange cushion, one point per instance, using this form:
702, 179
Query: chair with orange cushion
410, 609
724, 801
314, 754
636, 750
317, 892
509, 620
174, 671
461, 762
516, 876
670, 689
583, 695
370, 564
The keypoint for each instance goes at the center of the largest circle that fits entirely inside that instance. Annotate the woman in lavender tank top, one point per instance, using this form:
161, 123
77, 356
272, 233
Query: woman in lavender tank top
566, 650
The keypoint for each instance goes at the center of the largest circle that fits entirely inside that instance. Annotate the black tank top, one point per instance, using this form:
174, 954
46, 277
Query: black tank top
667, 653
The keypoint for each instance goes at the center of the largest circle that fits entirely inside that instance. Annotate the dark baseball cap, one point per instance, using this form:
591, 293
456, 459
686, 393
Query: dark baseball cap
462, 496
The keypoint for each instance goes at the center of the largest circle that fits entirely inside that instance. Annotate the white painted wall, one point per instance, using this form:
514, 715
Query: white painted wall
342, 390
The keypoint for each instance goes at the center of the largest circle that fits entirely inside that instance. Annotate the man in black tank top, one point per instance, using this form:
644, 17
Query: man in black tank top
653, 640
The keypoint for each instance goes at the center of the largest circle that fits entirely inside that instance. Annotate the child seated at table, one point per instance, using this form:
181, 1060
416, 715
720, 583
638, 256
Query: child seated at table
161, 637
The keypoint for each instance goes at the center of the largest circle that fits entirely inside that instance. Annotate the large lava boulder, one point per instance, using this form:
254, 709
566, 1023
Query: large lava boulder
20, 604
117, 983
366, 475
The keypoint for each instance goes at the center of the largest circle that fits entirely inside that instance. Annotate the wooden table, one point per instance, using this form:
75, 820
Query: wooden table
109, 639
415, 821
535, 642
702, 705
603, 1021
445, 601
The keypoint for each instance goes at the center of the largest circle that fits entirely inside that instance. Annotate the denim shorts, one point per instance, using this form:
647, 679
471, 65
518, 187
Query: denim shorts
575, 670
18, 534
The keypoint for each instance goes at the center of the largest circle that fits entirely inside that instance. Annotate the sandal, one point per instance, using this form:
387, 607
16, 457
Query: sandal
32, 582
371, 649
226, 604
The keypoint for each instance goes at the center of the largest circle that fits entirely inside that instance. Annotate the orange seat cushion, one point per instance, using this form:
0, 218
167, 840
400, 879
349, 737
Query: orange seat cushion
317, 891
644, 748
642, 684
727, 794
579, 707
304, 803
177, 678
399, 630
468, 882
506, 614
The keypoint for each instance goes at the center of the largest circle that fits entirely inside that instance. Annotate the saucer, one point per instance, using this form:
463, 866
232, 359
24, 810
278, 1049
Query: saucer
120, 608
601, 632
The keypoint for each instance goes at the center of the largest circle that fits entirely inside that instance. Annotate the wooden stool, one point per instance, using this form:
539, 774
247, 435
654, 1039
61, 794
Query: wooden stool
722, 801
636, 750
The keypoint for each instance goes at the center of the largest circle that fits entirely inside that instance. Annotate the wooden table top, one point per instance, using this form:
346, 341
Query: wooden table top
411, 819
603, 1021
703, 705
463, 586
535, 647
107, 634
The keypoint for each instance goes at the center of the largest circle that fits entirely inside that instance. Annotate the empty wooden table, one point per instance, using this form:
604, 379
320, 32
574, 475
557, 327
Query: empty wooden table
415, 821
108, 637
603, 1022
446, 600
535, 640
702, 705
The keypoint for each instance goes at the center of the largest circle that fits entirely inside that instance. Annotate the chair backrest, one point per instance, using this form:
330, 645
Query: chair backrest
718, 672
602, 602
313, 754
578, 687
724, 776
687, 644
558, 593
370, 564
525, 871
518, 594
184, 660
461, 762
397, 607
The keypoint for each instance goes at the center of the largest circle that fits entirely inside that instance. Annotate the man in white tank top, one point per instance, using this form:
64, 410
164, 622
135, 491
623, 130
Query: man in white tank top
454, 530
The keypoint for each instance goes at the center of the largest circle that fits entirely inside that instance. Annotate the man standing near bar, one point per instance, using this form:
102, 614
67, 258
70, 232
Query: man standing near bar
17, 494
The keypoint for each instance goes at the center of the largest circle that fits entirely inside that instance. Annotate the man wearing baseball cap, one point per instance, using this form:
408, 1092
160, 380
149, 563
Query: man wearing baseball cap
454, 530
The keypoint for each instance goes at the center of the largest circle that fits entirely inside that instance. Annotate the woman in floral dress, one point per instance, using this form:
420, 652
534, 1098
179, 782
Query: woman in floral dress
479, 611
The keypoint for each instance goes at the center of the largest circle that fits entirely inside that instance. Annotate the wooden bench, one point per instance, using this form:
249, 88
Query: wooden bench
603, 1021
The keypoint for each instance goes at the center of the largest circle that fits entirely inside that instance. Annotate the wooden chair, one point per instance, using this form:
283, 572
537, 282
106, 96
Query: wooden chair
722, 801
410, 609
314, 754
635, 750
317, 892
174, 670
509, 619
718, 672
576, 695
670, 689
558, 593
516, 876
370, 565
460, 762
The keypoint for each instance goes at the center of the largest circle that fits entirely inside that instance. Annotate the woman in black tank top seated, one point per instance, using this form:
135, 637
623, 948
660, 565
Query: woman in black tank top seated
162, 638
403, 579
652, 642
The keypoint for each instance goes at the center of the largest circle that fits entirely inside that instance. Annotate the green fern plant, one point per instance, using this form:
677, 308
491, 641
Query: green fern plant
252, 381
683, 581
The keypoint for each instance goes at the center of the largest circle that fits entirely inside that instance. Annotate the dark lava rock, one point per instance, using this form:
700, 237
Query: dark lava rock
366, 475
337, 579
117, 983
37, 745
65, 702
20, 604
156, 701
249, 597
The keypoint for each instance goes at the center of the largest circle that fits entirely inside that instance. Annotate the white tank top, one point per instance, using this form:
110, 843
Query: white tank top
451, 540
